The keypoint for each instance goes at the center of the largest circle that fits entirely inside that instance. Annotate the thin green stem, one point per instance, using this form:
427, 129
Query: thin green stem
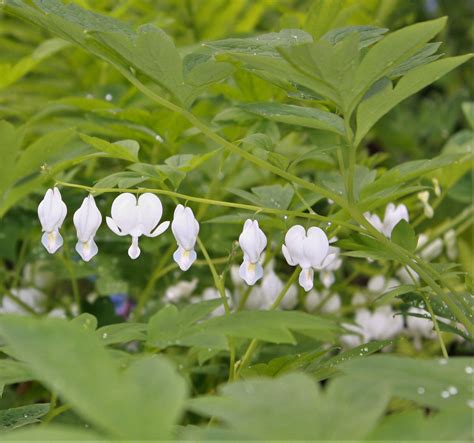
207, 201
247, 357
433, 316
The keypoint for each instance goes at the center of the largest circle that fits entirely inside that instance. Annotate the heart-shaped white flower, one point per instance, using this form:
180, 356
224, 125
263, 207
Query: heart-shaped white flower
52, 212
136, 218
87, 220
185, 229
252, 241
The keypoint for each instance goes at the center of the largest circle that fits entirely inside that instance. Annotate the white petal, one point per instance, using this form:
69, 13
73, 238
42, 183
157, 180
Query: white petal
252, 240
52, 241
184, 258
251, 272
306, 279
294, 245
134, 250
159, 230
185, 227
52, 210
150, 211
125, 213
286, 254
327, 278
113, 227
374, 220
393, 214
87, 250
315, 247
87, 219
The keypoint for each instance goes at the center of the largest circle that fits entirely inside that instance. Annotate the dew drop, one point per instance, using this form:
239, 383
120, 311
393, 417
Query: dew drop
25, 415
159, 138
470, 403
104, 335
469, 370
421, 390
109, 97
442, 361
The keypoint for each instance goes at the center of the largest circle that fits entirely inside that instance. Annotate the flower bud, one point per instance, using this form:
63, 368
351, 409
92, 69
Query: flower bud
185, 229
52, 212
87, 220
252, 241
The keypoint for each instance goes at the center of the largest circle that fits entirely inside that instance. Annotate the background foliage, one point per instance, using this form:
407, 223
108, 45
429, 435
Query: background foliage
241, 109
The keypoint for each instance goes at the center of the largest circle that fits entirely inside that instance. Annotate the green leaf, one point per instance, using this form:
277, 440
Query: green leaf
122, 333
44, 150
468, 111
404, 235
12, 371
53, 432
25, 415
453, 425
123, 149
170, 327
379, 103
392, 50
9, 147
428, 383
274, 196
260, 410
298, 115
368, 35
73, 362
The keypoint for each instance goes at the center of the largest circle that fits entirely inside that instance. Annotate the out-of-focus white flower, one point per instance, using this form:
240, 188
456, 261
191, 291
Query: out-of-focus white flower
451, 246
181, 290
87, 220
252, 241
378, 285
393, 214
330, 264
380, 324
307, 250
322, 302
432, 250
52, 212
424, 197
272, 286
137, 218
185, 229
212, 294
38, 274
31, 297
419, 327
437, 188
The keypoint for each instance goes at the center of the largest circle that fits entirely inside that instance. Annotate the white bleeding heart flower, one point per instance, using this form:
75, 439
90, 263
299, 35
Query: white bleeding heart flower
87, 220
393, 214
185, 229
307, 250
136, 218
252, 241
52, 212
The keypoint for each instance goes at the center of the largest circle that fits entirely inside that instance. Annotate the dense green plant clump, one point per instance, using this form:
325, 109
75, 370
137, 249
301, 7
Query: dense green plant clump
217, 224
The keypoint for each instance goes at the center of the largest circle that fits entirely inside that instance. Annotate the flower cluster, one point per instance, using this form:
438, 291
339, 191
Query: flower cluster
140, 216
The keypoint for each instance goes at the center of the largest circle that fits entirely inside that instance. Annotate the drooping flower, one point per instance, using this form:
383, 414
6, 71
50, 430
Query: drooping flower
252, 241
52, 212
451, 246
424, 197
419, 327
136, 218
393, 214
87, 220
307, 250
185, 229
